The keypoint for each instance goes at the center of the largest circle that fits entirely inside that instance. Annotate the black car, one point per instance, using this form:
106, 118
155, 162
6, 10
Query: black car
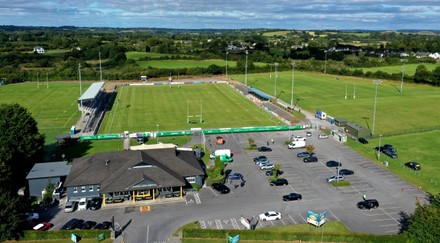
87, 225
72, 224
413, 165
279, 182
304, 154
333, 163
221, 188
270, 172
264, 149
310, 159
346, 172
390, 153
261, 158
363, 140
368, 204
292, 196
103, 225
95, 203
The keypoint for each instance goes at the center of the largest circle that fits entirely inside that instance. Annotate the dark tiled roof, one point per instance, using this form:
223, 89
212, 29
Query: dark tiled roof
134, 170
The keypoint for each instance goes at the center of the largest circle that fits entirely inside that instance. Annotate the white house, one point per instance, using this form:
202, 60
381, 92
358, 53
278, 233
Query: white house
39, 50
435, 55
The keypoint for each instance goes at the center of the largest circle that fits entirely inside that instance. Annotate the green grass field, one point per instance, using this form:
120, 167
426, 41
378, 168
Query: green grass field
135, 55
409, 69
142, 108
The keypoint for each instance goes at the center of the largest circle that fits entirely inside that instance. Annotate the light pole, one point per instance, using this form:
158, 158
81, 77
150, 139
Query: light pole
293, 83
275, 84
379, 150
157, 132
403, 73
245, 76
376, 82
80, 91
325, 62
227, 65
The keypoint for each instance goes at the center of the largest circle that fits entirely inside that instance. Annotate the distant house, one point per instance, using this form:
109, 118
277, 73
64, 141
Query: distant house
435, 55
134, 174
42, 174
422, 54
39, 50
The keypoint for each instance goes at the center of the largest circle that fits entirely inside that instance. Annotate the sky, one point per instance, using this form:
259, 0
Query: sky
225, 14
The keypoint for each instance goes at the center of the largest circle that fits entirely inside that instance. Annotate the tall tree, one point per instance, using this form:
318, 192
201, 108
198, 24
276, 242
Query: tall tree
423, 223
21, 145
10, 218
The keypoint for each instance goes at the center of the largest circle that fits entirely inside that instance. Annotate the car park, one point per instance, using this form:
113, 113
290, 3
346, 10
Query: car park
413, 165
332, 163
363, 140
279, 182
292, 197
267, 166
72, 224
95, 203
82, 205
264, 149
304, 154
235, 176
43, 226
322, 136
346, 172
298, 138
270, 172
261, 158
270, 215
368, 204
70, 206
87, 225
310, 159
335, 178
221, 188
103, 225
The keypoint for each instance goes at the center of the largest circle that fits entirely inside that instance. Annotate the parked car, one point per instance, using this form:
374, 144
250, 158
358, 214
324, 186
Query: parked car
332, 163
310, 159
368, 204
87, 225
221, 188
298, 138
43, 226
72, 224
261, 158
82, 205
32, 216
308, 133
390, 147
270, 215
346, 172
235, 176
70, 206
335, 178
363, 140
390, 153
270, 172
322, 136
413, 165
260, 163
95, 203
279, 182
264, 149
304, 154
292, 197
103, 225
267, 166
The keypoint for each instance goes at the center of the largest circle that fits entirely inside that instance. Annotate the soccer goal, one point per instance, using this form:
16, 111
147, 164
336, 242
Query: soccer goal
194, 112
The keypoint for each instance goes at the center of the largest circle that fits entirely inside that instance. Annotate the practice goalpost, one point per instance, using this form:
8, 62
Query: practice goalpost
194, 111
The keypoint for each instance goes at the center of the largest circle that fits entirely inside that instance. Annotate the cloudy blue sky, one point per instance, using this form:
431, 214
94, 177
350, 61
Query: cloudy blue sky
218, 14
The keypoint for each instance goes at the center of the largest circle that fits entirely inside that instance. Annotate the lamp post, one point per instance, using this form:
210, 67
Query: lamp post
276, 75
157, 132
376, 82
80, 91
245, 76
379, 150
325, 62
403, 73
227, 65
293, 83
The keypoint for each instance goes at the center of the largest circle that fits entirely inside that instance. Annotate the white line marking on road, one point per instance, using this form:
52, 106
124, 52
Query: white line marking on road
148, 232
196, 196
202, 224
213, 192
218, 223
334, 215
302, 217
235, 223
387, 225
292, 218
283, 221
391, 231
374, 220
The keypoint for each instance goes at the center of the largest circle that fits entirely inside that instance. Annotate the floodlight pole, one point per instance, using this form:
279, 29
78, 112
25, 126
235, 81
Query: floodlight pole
376, 82
80, 91
325, 63
246, 71
403, 73
227, 65
293, 83
275, 84
378, 151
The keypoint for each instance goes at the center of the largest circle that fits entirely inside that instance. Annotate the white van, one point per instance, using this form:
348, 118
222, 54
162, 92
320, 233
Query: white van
82, 205
220, 152
297, 144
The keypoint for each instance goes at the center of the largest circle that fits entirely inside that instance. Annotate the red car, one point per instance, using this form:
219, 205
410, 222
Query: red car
43, 226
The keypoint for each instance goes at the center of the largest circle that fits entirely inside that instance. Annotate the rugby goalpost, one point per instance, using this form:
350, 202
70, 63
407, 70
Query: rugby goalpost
193, 113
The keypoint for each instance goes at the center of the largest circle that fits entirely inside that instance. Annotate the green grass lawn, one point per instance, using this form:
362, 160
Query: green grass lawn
135, 55
171, 64
142, 108
409, 69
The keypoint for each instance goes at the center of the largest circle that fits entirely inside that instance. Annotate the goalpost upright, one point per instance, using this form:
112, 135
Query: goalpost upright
190, 114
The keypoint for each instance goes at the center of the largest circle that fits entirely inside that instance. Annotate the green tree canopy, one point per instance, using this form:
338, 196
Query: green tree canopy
10, 218
21, 145
423, 223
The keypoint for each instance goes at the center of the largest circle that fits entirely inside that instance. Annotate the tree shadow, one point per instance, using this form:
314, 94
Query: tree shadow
403, 221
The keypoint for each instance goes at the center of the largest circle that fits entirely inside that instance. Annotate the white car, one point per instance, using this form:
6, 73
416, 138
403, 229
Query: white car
267, 166
32, 216
322, 136
335, 178
270, 215
82, 205
260, 163
299, 138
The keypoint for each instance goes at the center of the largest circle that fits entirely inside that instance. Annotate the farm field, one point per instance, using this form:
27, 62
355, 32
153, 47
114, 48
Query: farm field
151, 108
176, 64
409, 69
135, 55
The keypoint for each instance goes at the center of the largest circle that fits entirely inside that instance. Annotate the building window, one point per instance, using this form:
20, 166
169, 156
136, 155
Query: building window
83, 189
97, 188
191, 179
75, 189
90, 188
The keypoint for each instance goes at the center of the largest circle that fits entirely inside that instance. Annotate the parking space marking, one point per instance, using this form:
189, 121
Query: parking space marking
202, 224
235, 223
377, 220
213, 192
388, 225
196, 196
302, 217
283, 221
392, 231
148, 232
334, 215
292, 219
218, 223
